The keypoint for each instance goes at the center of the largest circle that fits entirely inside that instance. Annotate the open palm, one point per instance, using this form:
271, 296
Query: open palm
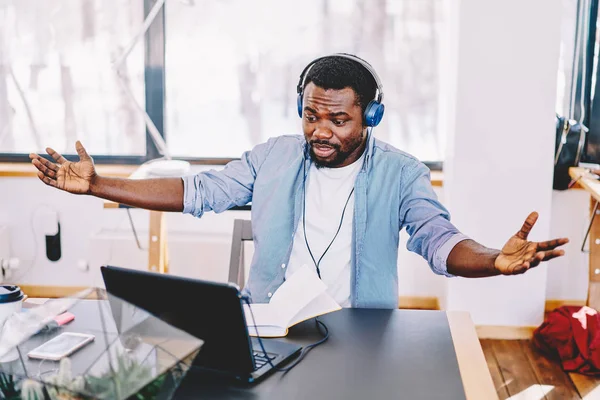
519, 254
73, 177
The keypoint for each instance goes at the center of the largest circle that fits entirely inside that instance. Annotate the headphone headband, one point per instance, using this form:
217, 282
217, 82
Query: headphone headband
368, 67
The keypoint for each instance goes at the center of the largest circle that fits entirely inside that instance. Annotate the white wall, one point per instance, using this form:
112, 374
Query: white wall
500, 86
568, 276
198, 248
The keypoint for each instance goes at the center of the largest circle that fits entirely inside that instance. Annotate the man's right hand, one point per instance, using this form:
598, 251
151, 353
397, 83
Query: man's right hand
73, 177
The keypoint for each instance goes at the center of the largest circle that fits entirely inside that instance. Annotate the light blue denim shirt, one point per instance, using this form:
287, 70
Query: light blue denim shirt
392, 191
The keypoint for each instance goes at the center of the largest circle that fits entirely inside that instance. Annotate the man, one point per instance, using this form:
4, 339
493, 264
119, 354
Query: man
335, 199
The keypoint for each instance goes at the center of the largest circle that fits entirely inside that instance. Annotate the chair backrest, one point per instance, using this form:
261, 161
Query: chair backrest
242, 231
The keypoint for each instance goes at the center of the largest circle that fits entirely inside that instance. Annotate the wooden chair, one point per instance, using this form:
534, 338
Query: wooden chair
242, 231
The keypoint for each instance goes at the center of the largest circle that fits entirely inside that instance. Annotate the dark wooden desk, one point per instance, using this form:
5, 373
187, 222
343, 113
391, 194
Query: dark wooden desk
372, 354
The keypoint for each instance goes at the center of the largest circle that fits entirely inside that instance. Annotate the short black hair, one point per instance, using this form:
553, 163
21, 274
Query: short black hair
336, 72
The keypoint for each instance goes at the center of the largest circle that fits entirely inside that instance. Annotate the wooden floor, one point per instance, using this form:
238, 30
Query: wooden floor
519, 371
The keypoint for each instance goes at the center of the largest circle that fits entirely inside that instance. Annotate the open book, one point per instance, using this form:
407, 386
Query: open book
301, 297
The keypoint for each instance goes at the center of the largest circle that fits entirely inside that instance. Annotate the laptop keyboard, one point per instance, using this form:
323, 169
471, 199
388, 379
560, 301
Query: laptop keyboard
260, 359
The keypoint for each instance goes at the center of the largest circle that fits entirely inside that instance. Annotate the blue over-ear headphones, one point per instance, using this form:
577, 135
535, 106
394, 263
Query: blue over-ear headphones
375, 108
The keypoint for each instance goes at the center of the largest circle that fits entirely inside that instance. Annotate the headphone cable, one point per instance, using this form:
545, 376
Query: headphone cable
304, 351
304, 228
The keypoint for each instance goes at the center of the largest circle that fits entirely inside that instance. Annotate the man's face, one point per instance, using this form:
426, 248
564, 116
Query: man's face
332, 124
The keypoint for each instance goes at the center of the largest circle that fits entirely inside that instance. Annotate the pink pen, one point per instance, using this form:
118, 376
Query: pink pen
58, 321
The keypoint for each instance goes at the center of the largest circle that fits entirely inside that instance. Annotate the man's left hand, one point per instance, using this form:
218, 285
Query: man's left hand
518, 254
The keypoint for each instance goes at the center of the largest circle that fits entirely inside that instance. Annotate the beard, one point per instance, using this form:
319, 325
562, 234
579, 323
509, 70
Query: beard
339, 155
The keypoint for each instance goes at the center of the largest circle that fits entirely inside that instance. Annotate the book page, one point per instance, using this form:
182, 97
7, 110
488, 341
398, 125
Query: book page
295, 294
266, 323
322, 304
301, 297
262, 315
268, 331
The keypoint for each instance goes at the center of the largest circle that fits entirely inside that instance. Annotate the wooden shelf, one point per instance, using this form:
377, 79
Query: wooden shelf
437, 178
27, 170
21, 170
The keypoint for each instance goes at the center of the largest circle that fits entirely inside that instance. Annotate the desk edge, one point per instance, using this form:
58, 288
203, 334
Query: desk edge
475, 374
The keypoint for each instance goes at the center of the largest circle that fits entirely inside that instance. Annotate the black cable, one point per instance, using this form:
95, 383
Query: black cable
304, 228
304, 351
133, 229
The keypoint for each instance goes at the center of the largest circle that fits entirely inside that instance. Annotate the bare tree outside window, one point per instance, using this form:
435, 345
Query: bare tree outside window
567, 54
57, 82
232, 68
231, 71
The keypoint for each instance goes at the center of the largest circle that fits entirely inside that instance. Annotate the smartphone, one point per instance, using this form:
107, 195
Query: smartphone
61, 346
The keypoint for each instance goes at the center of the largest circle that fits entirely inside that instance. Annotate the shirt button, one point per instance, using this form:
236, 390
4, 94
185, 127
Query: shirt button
269, 294
282, 266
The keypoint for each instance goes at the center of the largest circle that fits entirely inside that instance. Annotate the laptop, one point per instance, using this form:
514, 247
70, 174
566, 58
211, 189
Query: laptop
210, 311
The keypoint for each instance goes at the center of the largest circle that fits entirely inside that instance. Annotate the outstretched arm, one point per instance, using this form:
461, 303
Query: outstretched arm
163, 194
473, 260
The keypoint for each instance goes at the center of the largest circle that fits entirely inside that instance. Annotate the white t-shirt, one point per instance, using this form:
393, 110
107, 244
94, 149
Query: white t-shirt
327, 190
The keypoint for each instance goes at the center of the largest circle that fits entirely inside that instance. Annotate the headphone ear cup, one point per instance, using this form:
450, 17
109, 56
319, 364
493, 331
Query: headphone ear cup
374, 113
299, 104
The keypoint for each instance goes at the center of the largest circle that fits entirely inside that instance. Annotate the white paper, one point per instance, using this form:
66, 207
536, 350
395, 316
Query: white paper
295, 293
262, 315
300, 297
322, 304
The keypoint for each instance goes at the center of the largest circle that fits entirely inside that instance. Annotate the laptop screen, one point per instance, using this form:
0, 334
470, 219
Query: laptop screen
208, 310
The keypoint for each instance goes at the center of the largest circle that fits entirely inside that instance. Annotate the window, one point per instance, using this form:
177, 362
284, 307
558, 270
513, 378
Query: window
57, 80
230, 71
232, 68
567, 55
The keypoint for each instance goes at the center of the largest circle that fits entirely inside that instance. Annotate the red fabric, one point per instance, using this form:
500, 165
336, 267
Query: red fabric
563, 336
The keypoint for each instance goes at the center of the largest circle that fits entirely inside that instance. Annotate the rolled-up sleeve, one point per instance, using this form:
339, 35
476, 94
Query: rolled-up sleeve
220, 190
427, 221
